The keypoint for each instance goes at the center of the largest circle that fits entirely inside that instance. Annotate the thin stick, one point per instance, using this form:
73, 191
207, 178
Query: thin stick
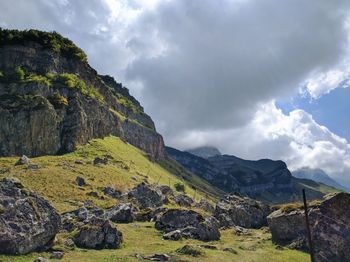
311, 248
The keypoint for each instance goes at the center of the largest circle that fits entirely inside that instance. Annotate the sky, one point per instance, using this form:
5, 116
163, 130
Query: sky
257, 79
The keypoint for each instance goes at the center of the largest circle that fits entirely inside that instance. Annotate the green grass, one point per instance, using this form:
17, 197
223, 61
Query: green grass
128, 166
144, 239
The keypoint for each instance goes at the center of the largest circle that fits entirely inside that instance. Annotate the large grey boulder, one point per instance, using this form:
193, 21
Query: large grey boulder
27, 221
98, 234
122, 213
237, 210
183, 200
190, 223
81, 216
330, 230
147, 196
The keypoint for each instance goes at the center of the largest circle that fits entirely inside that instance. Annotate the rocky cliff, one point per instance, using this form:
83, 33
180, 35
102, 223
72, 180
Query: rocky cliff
51, 100
264, 179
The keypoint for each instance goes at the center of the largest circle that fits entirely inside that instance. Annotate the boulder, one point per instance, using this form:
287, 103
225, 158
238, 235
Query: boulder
158, 257
149, 214
205, 205
80, 181
27, 221
24, 160
81, 216
173, 235
98, 234
57, 255
183, 200
109, 191
122, 213
236, 210
190, 223
147, 196
330, 230
101, 161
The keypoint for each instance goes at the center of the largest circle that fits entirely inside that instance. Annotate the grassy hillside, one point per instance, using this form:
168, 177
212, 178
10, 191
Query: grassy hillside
127, 167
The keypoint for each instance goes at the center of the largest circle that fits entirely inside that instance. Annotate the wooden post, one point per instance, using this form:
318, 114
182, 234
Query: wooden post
311, 248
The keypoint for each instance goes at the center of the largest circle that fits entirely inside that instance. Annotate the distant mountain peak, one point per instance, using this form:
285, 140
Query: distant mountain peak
205, 151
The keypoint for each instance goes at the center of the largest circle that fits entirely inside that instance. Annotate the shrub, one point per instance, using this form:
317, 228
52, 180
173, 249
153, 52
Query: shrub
180, 187
58, 100
50, 40
127, 103
18, 74
38, 79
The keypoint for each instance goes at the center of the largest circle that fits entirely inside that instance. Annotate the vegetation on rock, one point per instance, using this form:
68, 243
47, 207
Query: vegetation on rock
50, 40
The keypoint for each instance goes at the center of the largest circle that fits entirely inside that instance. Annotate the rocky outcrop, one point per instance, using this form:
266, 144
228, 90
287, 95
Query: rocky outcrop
147, 196
330, 230
183, 200
122, 213
27, 221
98, 234
61, 102
236, 210
188, 224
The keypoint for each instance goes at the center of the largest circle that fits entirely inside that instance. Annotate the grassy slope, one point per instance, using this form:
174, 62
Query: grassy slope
55, 180
143, 239
129, 166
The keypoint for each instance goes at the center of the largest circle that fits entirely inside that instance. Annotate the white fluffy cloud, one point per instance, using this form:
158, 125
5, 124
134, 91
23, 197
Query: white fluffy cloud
296, 138
206, 70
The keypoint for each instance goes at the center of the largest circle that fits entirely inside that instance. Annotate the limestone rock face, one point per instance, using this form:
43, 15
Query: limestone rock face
98, 234
235, 210
27, 221
188, 223
329, 228
33, 122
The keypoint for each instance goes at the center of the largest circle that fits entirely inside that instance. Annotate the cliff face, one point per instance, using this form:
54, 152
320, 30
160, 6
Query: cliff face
265, 179
52, 101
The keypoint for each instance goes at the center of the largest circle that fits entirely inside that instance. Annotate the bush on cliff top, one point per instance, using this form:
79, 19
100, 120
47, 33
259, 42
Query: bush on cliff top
51, 40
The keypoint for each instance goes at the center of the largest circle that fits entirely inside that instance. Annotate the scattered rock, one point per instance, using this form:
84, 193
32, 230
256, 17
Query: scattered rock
122, 213
41, 259
190, 223
23, 161
173, 235
69, 243
158, 257
183, 200
98, 234
241, 211
230, 249
147, 196
101, 161
205, 205
80, 181
209, 247
57, 255
79, 162
109, 191
28, 222
92, 193
33, 167
149, 214
239, 231
329, 222
190, 250
278, 247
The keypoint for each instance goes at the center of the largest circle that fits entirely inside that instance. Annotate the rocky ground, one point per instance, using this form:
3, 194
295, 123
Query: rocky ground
88, 218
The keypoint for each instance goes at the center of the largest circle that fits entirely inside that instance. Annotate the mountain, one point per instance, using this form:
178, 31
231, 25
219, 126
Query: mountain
265, 179
52, 100
205, 151
318, 175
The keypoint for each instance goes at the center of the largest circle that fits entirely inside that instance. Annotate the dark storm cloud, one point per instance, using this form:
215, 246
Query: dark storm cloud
221, 59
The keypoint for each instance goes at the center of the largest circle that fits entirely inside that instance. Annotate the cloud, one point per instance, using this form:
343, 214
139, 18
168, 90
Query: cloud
295, 138
221, 60
206, 71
